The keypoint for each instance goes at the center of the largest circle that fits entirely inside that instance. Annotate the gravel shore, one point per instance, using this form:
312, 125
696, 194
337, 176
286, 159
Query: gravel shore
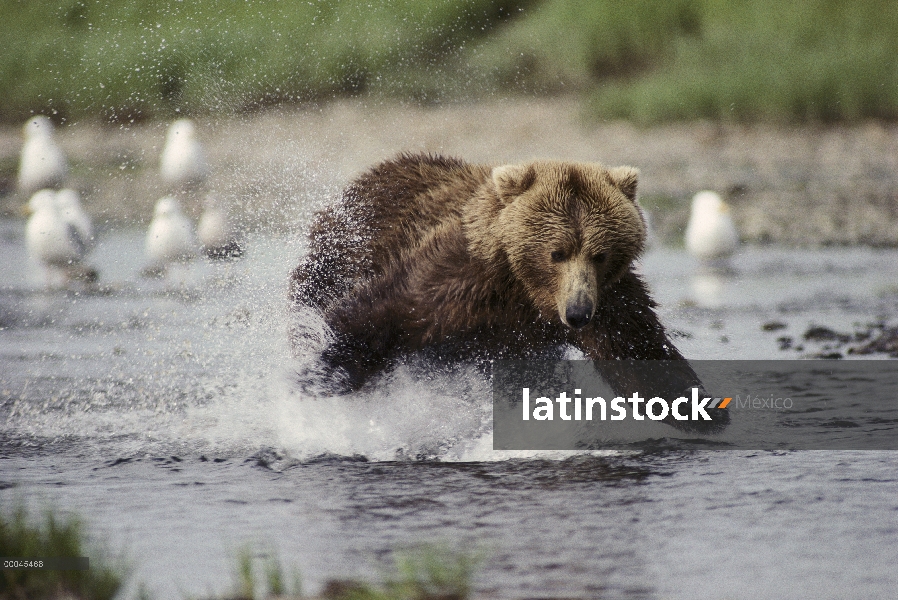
806, 185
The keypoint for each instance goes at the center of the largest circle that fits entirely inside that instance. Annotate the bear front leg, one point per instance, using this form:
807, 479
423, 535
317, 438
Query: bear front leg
413, 305
625, 325
624, 335
367, 335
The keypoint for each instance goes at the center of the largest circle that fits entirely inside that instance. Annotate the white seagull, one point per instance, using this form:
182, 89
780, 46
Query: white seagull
170, 238
56, 243
42, 163
711, 235
183, 162
220, 239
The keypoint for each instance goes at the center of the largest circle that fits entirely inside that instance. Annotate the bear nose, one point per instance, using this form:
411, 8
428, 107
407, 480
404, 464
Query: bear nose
578, 314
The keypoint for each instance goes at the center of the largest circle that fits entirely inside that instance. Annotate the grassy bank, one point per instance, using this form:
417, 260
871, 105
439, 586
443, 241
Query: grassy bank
126, 60
650, 61
816, 60
52, 537
424, 572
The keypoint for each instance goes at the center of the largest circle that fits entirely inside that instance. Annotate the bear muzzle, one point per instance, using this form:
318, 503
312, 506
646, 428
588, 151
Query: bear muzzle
578, 312
577, 301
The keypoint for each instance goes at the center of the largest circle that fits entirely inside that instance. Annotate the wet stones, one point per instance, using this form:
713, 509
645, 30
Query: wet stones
886, 343
826, 343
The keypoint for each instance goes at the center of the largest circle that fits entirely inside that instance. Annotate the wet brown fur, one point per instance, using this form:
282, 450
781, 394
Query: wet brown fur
425, 250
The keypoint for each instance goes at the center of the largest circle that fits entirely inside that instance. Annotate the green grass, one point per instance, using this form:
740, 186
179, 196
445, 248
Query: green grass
52, 537
561, 45
273, 585
424, 572
645, 60
428, 572
798, 61
129, 60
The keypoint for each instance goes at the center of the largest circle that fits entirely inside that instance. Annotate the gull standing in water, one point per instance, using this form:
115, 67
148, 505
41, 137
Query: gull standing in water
183, 163
220, 239
55, 243
42, 163
170, 238
711, 235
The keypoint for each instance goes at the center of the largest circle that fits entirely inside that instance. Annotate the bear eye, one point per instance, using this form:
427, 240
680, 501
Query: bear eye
557, 256
599, 257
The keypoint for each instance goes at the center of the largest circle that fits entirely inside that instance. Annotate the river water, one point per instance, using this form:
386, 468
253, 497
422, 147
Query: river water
165, 414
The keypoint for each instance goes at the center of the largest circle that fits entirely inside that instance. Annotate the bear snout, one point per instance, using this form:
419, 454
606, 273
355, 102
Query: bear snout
579, 312
579, 292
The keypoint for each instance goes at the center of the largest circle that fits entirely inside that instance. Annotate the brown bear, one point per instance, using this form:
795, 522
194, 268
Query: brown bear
499, 262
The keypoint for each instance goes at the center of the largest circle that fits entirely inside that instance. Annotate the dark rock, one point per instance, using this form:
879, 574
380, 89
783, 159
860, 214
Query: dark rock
885, 343
825, 334
229, 251
338, 589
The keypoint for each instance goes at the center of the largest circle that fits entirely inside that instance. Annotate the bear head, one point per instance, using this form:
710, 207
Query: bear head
566, 231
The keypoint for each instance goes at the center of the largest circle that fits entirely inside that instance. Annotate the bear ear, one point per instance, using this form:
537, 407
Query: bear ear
513, 180
625, 178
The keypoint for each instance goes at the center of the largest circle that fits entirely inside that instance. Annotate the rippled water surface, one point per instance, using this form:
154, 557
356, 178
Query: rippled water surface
166, 414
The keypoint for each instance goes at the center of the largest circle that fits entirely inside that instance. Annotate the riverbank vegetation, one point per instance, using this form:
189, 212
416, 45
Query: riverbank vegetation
423, 572
819, 60
54, 536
